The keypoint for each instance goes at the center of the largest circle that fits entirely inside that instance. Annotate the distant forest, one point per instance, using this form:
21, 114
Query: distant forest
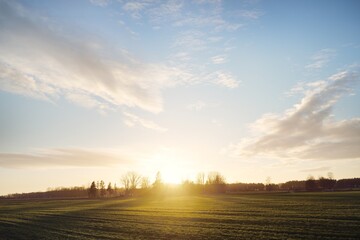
133, 184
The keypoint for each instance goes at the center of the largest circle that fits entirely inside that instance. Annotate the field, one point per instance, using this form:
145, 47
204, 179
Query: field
244, 216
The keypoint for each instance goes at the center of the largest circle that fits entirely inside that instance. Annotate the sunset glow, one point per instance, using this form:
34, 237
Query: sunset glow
92, 89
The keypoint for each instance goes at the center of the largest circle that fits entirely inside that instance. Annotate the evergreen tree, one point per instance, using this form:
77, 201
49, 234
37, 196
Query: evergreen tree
93, 190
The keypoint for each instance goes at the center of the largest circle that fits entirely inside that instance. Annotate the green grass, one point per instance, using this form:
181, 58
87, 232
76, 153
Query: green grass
246, 216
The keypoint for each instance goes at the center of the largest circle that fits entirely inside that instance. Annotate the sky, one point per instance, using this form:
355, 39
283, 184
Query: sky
92, 89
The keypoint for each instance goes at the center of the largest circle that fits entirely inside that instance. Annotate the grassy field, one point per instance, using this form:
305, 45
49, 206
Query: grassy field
247, 216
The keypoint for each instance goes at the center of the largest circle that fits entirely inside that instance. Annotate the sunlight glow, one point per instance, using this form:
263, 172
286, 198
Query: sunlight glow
171, 164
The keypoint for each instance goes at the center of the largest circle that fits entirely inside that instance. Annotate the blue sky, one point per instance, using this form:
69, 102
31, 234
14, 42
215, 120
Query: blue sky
92, 89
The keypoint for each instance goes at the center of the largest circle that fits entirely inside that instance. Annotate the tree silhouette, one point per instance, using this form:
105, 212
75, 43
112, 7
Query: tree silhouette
200, 178
102, 189
109, 189
158, 181
216, 183
145, 183
310, 184
215, 178
326, 183
130, 181
93, 190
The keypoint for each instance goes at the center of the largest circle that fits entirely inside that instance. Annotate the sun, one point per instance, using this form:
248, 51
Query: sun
171, 166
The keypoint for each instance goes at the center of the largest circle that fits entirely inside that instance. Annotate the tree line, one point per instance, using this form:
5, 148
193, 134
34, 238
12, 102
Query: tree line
133, 184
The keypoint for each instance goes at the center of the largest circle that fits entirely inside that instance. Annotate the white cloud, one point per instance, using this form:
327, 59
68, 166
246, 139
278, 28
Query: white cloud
308, 130
219, 59
64, 157
168, 10
224, 79
87, 101
250, 14
39, 62
135, 8
132, 120
321, 59
197, 106
191, 40
101, 3
317, 169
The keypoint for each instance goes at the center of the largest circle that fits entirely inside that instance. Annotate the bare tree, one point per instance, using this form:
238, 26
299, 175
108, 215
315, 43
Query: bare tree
215, 178
135, 179
158, 181
200, 179
125, 181
145, 183
215, 183
131, 180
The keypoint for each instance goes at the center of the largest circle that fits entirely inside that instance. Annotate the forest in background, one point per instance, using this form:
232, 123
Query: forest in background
133, 184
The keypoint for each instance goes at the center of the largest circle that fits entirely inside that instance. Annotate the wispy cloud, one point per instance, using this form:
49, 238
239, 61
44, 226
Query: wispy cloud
101, 3
39, 62
250, 14
197, 26
132, 120
318, 169
64, 157
219, 59
225, 79
321, 59
166, 11
135, 8
191, 40
196, 106
308, 130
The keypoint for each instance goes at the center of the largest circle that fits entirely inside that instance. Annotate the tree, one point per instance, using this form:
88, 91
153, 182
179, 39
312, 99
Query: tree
310, 184
326, 183
200, 179
158, 180
126, 182
216, 183
130, 181
135, 179
145, 183
93, 190
158, 184
102, 188
270, 186
215, 178
109, 189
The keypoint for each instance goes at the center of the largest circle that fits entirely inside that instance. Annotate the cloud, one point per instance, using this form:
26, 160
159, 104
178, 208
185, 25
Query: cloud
168, 10
219, 59
133, 120
318, 169
191, 40
86, 101
225, 79
308, 129
40, 62
250, 14
63, 157
101, 3
197, 106
135, 8
321, 59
